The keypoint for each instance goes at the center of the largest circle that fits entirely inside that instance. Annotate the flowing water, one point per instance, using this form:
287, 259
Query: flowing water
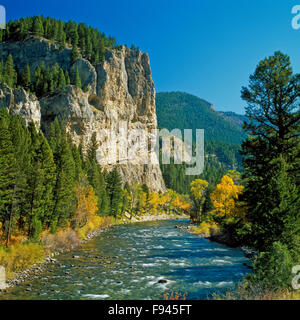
128, 261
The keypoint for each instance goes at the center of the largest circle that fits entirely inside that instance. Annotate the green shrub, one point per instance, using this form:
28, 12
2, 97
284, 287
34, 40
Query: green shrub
273, 268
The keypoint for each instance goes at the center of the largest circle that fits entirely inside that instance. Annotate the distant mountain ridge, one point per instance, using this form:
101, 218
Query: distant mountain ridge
185, 111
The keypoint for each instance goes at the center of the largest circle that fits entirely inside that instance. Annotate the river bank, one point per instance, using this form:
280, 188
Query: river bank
33, 271
211, 234
222, 238
137, 261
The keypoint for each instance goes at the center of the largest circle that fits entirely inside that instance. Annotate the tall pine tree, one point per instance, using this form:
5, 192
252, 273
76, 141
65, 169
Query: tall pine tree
273, 129
7, 178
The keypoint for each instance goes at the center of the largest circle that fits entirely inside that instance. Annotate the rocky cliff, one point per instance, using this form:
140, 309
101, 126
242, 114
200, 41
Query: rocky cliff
18, 101
118, 92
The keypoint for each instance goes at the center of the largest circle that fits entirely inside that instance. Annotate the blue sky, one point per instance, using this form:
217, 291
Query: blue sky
204, 47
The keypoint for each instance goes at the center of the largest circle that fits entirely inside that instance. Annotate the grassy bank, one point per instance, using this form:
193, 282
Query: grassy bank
256, 292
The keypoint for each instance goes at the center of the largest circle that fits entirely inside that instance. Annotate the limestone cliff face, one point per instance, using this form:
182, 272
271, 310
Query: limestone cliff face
18, 101
119, 92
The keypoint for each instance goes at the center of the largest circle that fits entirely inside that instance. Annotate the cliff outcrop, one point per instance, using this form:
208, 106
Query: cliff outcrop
117, 92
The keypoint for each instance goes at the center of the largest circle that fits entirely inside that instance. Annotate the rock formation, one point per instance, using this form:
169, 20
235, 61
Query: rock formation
18, 101
118, 92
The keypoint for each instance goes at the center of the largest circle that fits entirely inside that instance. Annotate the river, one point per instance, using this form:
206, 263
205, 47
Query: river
128, 261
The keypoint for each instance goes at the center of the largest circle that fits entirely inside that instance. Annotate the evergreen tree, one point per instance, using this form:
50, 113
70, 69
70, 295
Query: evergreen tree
96, 177
75, 53
35, 184
273, 129
62, 79
92, 148
78, 161
61, 36
65, 182
7, 178
67, 77
38, 26
26, 78
54, 137
283, 216
54, 30
10, 74
22, 149
114, 191
48, 179
77, 79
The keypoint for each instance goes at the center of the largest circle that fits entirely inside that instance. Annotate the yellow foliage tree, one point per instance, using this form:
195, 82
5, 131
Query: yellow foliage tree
154, 201
224, 196
181, 204
198, 191
86, 203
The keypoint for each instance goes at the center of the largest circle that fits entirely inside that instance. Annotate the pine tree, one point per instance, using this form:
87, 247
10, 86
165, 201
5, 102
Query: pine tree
75, 53
47, 28
77, 79
38, 26
273, 129
62, 79
114, 191
22, 143
78, 161
10, 74
7, 178
54, 136
74, 37
54, 30
61, 36
97, 181
92, 148
67, 77
49, 177
35, 183
282, 220
65, 182
26, 78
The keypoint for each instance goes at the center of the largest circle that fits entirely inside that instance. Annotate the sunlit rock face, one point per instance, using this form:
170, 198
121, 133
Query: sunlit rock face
118, 96
18, 101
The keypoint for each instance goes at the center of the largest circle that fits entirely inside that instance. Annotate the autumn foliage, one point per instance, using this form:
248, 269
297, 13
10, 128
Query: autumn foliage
224, 197
224, 205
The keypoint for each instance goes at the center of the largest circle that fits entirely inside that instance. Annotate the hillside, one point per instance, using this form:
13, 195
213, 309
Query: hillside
234, 117
223, 136
185, 111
